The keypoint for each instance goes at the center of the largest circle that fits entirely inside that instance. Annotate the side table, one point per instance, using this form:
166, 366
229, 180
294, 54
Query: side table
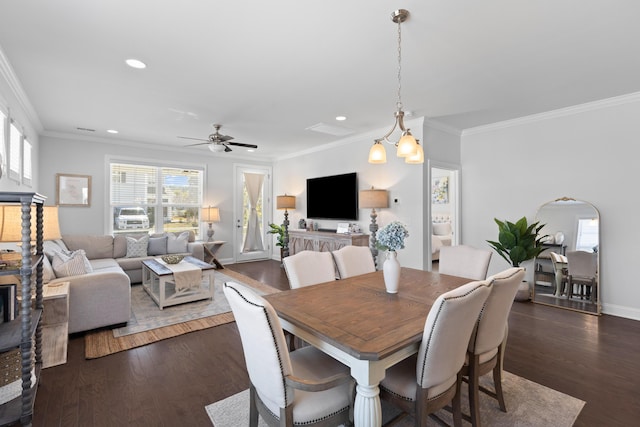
55, 324
210, 250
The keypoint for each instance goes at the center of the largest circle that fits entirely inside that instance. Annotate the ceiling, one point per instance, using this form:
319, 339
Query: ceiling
267, 71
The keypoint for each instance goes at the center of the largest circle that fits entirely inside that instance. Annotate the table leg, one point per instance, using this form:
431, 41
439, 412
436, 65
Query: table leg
367, 411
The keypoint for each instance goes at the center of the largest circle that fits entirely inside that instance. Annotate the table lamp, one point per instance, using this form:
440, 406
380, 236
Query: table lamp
11, 223
372, 199
210, 215
285, 202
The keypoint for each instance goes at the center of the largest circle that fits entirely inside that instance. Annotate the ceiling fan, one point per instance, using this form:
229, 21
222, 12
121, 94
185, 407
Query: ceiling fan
218, 142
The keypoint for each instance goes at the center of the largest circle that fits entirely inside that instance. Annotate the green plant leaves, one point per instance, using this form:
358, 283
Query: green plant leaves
517, 242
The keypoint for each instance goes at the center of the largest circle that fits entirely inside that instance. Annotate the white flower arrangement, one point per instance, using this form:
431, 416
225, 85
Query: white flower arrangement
391, 236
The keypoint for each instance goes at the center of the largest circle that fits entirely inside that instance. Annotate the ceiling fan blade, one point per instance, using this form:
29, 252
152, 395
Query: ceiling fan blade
197, 139
199, 143
239, 144
227, 149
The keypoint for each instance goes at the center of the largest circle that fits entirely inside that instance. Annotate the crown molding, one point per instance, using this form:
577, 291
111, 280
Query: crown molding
7, 73
561, 112
434, 124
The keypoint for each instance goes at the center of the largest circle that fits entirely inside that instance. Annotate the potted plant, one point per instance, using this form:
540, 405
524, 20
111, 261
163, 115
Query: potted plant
279, 231
518, 242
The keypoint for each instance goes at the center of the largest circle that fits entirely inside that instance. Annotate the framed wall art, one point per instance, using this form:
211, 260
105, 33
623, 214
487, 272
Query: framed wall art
440, 190
73, 190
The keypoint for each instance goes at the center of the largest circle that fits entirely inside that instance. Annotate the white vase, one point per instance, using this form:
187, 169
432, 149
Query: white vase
391, 271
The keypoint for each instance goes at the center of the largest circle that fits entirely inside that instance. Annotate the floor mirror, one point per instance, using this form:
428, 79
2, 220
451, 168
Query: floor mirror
566, 273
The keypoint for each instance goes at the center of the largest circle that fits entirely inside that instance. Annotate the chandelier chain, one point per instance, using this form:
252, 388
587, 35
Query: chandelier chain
399, 103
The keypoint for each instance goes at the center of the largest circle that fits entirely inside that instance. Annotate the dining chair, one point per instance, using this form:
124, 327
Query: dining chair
309, 268
559, 263
302, 387
429, 380
353, 261
487, 342
464, 261
582, 269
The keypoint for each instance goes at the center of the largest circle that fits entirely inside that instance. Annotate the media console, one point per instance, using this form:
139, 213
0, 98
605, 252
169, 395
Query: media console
323, 241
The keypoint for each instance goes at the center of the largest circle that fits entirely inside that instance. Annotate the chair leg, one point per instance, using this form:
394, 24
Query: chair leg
474, 392
497, 383
253, 408
456, 407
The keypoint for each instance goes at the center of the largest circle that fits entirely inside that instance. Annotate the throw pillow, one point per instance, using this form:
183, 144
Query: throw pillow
177, 244
157, 245
73, 264
137, 248
441, 228
47, 270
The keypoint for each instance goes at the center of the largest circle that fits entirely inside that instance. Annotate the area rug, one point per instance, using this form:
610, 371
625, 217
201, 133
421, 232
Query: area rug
149, 324
529, 405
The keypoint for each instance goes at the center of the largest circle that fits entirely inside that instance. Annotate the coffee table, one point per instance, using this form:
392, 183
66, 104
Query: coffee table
158, 281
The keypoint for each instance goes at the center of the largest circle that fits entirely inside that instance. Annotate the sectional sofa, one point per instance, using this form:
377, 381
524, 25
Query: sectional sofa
101, 268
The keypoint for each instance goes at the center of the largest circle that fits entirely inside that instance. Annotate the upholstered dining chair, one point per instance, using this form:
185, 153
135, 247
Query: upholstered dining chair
353, 261
486, 345
582, 269
430, 380
302, 387
309, 268
464, 261
559, 263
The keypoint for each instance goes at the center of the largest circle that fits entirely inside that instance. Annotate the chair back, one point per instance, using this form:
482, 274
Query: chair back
556, 258
446, 333
263, 343
464, 261
309, 268
582, 264
353, 261
492, 322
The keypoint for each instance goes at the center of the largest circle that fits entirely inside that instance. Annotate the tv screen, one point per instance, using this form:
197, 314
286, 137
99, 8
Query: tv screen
333, 197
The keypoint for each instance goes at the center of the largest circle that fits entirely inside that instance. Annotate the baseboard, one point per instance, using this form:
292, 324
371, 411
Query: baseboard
621, 311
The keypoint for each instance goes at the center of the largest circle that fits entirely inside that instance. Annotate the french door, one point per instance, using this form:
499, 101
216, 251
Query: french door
252, 212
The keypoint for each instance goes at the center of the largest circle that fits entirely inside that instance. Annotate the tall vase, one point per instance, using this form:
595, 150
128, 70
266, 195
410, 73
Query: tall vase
391, 271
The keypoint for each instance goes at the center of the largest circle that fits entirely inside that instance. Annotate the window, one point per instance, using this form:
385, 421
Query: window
155, 198
3, 140
15, 140
27, 168
587, 236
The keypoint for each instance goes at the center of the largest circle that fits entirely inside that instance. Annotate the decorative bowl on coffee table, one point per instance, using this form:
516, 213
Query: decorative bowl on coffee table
172, 259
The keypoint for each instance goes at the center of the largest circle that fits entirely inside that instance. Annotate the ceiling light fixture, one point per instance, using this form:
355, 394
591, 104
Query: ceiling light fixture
136, 63
407, 145
112, 131
341, 118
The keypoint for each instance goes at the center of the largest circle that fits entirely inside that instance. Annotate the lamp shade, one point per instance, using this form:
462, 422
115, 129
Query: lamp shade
11, 223
377, 153
407, 145
210, 214
373, 199
417, 158
286, 202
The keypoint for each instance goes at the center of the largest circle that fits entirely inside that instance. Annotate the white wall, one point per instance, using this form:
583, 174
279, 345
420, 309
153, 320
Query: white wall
403, 181
586, 153
86, 157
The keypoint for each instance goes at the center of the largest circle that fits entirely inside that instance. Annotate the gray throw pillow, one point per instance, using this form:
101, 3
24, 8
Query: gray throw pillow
157, 245
177, 244
74, 264
137, 248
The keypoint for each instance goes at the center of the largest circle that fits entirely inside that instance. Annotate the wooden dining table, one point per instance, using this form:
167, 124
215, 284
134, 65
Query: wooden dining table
358, 323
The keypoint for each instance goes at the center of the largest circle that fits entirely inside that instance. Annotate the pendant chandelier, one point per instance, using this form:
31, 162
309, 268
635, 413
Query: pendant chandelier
407, 146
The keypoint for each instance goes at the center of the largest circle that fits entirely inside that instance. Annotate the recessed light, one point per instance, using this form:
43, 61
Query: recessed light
251, 150
112, 131
136, 63
341, 118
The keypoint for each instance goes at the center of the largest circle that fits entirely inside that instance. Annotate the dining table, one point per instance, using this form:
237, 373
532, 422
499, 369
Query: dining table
358, 323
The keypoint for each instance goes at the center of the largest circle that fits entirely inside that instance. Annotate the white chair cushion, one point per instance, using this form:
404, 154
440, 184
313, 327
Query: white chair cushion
354, 261
309, 268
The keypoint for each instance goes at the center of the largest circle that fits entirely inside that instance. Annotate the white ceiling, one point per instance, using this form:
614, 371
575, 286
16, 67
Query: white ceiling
267, 70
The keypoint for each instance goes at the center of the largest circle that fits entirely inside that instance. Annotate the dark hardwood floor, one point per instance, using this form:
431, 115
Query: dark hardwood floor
596, 359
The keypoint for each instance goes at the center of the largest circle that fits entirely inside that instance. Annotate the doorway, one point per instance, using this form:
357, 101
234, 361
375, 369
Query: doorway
252, 207
444, 195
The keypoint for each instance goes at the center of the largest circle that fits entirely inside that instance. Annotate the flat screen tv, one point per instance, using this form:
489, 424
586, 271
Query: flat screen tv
333, 197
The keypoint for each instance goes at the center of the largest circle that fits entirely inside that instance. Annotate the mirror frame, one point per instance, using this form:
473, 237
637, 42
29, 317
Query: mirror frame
567, 303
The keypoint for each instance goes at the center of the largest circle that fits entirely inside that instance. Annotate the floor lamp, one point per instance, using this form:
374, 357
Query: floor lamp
372, 199
285, 202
